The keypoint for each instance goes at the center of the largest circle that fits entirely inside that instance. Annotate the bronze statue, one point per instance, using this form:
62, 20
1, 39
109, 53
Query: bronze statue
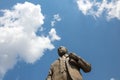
67, 66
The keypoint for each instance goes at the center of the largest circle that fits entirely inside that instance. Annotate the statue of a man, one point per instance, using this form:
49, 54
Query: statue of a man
67, 66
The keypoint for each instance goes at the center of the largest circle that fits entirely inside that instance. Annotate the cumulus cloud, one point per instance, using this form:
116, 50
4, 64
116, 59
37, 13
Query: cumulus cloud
18, 39
53, 35
111, 9
56, 18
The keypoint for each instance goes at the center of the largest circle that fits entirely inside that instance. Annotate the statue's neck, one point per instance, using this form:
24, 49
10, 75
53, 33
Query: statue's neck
65, 55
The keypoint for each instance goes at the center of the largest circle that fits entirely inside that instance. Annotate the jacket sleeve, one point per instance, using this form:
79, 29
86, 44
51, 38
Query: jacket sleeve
86, 67
49, 77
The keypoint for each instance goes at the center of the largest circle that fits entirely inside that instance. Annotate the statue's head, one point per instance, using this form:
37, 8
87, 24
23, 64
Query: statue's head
62, 50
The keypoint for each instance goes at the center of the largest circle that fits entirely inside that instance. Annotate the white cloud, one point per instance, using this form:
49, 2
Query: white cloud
84, 5
53, 35
56, 18
53, 23
96, 9
18, 39
112, 78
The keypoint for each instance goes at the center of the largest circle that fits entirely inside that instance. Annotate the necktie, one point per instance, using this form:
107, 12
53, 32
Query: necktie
62, 64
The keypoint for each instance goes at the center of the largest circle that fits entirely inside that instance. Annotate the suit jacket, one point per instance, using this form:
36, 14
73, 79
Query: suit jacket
72, 68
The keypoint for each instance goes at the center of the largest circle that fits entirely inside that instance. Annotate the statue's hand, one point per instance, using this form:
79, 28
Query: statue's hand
73, 62
73, 59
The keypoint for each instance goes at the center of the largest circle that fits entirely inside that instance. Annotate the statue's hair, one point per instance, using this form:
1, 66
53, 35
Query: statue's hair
65, 48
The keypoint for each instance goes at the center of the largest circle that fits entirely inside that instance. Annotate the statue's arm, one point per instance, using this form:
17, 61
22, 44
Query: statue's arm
86, 67
49, 77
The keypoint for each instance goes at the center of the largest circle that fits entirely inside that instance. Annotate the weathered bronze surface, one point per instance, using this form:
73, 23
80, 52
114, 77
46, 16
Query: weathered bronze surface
67, 66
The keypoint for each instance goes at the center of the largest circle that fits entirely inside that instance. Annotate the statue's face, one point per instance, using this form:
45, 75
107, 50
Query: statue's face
61, 51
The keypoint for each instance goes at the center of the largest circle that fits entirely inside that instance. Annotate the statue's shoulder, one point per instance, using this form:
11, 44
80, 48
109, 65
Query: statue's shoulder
56, 62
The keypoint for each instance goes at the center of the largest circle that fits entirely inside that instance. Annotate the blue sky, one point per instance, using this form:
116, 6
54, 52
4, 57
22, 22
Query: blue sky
32, 30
